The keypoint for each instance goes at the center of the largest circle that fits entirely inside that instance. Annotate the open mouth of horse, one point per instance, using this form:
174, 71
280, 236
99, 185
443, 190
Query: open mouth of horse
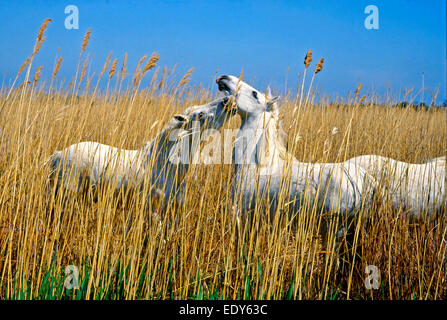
223, 86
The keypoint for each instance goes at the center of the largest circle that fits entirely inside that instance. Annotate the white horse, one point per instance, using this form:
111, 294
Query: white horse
158, 162
439, 160
417, 188
264, 169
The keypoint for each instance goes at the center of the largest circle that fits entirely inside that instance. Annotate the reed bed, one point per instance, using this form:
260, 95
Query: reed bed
197, 256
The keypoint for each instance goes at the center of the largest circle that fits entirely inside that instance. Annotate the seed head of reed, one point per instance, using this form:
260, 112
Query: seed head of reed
38, 45
86, 40
123, 67
37, 75
106, 64
151, 63
186, 78
319, 66
136, 79
56, 68
357, 90
23, 84
113, 68
308, 59
140, 62
40, 36
23, 66
42, 29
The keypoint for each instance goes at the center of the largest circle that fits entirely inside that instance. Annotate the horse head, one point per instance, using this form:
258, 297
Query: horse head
249, 101
211, 115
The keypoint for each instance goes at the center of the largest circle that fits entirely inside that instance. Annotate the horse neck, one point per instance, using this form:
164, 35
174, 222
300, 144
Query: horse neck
156, 153
258, 140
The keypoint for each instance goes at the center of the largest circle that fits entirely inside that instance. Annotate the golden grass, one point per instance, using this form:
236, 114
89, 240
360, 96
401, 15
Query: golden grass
197, 257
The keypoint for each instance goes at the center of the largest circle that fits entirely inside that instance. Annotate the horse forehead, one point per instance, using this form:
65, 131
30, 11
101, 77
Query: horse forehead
248, 87
243, 84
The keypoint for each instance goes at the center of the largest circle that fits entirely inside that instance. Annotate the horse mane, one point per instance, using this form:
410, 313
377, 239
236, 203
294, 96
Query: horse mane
274, 131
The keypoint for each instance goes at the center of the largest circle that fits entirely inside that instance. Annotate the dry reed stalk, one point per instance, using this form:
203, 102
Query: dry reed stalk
199, 258
122, 72
104, 68
106, 65
83, 71
163, 79
318, 68
39, 41
75, 84
307, 61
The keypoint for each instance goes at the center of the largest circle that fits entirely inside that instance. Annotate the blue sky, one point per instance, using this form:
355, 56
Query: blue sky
265, 38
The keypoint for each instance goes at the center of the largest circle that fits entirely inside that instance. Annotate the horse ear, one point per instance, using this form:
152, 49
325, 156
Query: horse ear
272, 105
273, 100
269, 92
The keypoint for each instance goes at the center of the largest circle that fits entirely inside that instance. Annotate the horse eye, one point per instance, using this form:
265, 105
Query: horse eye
255, 94
201, 114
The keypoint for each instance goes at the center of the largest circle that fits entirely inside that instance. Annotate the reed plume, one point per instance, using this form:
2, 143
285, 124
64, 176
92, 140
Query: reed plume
37, 75
123, 67
56, 68
140, 62
40, 36
39, 41
357, 90
23, 66
151, 63
136, 79
186, 78
86, 40
106, 64
113, 68
319, 66
137, 72
308, 59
